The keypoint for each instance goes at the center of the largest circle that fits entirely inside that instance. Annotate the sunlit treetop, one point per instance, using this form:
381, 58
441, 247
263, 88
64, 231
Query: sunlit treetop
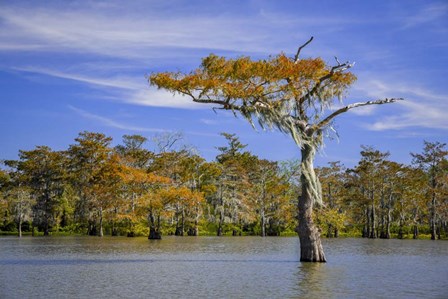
288, 93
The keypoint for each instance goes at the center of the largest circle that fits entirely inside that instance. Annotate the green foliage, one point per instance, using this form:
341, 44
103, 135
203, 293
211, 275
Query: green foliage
127, 189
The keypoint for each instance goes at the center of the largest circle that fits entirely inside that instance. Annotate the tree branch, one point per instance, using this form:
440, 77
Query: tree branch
329, 118
296, 58
337, 68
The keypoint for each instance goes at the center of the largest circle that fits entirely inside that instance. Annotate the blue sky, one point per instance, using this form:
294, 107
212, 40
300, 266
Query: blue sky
70, 66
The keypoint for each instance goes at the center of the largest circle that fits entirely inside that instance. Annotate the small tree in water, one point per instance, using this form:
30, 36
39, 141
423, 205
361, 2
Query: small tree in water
293, 95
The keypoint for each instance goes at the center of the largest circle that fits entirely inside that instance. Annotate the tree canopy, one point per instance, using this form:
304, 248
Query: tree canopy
294, 95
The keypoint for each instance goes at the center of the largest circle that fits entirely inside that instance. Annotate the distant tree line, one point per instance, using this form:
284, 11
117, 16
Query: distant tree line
96, 189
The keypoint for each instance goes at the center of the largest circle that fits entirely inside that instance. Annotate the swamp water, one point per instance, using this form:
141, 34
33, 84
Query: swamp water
212, 267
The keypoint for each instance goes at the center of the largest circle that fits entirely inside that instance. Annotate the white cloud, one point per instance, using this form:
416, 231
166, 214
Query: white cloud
208, 121
127, 35
422, 107
121, 82
428, 15
160, 98
134, 32
414, 115
130, 90
136, 35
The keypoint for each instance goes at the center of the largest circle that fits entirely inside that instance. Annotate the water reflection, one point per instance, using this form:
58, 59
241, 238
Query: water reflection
210, 267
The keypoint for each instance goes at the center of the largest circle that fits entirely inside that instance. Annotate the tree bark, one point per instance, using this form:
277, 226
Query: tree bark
366, 227
330, 231
100, 232
388, 220
180, 225
311, 249
433, 216
221, 222
154, 228
20, 227
263, 223
373, 233
154, 233
415, 234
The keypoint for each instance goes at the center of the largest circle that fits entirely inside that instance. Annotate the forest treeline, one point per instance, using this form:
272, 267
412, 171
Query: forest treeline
93, 188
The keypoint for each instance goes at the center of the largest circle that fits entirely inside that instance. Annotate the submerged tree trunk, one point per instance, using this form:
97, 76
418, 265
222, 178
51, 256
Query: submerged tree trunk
154, 233
263, 222
373, 232
92, 228
154, 228
388, 220
330, 231
221, 222
180, 225
100, 232
311, 249
400, 229
114, 230
193, 231
415, 234
20, 227
366, 229
433, 215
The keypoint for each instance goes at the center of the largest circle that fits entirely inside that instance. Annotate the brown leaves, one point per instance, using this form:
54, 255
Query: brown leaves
243, 79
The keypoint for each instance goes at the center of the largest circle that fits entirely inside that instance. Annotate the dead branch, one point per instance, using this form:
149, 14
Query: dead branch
296, 58
329, 118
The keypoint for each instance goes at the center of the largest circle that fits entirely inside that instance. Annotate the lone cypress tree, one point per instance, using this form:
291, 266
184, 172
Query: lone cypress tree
293, 95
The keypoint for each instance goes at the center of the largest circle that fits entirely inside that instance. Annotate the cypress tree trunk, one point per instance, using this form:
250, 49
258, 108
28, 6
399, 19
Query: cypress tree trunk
263, 222
330, 231
366, 227
415, 234
154, 232
46, 229
373, 233
180, 226
100, 231
221, 222
433, 216
388, 220
194, 231
311, 249
20, 226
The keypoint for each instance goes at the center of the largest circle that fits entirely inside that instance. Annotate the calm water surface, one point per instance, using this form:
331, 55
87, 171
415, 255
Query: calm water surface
211, 267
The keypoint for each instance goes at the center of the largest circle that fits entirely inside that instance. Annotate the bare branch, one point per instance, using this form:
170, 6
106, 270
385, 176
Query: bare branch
337, 60
329, 118
296, 58
337, 68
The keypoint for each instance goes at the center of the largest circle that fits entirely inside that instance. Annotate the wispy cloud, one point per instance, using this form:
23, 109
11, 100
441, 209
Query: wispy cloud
160, 98
138, 34
421, 108
208, 121
133, 90
415, 115
129, 36
431, 13
112, 123
100, 29
121, 82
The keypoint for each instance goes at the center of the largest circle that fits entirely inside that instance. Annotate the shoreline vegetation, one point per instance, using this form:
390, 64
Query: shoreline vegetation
60, 234
95, 189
